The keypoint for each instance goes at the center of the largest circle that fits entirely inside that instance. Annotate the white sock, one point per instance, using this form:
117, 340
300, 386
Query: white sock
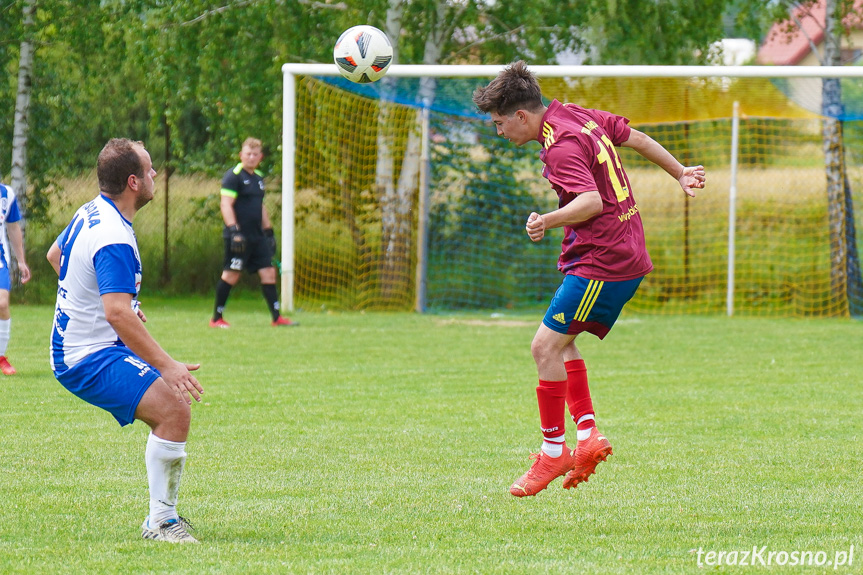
583, 434
5, 327
165, 460
553, 447
585, 417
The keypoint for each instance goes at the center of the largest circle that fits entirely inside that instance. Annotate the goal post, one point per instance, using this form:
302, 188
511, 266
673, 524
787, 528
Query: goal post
348, 211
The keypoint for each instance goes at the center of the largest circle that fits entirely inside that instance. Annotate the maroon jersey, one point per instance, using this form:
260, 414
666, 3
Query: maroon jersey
578, 150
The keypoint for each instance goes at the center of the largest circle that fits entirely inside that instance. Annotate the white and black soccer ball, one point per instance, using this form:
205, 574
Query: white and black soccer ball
363, 54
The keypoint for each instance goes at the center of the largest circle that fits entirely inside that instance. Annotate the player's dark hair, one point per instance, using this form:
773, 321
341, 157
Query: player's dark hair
118, 160
516, 88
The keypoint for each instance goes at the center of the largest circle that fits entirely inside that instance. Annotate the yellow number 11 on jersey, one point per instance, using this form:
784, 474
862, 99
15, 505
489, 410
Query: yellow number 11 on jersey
604, 157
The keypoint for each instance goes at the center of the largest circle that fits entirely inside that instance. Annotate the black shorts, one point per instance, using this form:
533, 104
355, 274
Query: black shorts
258, 256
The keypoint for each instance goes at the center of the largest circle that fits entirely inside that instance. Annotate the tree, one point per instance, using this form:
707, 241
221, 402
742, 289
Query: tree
668, 32
58, 95
22, 104
396, 194
445, 32
845, 276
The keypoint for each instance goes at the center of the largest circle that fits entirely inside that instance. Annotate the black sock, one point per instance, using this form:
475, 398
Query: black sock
272, 299
223, 290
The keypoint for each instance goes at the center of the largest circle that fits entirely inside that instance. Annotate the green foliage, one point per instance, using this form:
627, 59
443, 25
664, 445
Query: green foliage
670, 32
753, 18
210, 71
193, 78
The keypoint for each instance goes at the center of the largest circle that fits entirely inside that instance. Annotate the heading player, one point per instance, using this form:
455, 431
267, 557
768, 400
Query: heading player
603, 255
100, 349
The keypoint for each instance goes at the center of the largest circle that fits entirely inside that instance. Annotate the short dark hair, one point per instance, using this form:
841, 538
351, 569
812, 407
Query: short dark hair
516, 88
118, 160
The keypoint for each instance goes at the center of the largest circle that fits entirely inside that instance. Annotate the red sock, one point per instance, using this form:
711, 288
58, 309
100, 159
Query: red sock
578, 393
551, 396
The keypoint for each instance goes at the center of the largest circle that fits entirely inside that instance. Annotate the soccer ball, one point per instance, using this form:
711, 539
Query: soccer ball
363, 54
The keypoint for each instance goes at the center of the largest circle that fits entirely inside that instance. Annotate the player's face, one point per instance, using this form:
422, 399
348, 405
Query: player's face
513, 127
251, 157
146, 185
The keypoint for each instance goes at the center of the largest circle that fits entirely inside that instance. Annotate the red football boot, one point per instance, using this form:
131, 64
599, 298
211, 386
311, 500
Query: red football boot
5, 366
544, 470
587, 455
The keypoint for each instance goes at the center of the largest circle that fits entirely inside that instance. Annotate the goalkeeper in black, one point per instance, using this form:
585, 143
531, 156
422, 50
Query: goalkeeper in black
249, 240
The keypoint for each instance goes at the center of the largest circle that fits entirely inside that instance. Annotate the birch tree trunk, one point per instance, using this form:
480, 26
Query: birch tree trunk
22, 108
845, 280
397, 194
853, 272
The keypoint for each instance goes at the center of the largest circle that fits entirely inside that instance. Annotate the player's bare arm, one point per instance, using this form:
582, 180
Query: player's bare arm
130, 329
690, 178
16, 239
53, 257
585, 206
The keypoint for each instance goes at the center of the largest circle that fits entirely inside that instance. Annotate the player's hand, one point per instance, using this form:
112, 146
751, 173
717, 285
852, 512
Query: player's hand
271, 239
535, 227
24, 272
179, 378
238, 240
136, 307
692, 178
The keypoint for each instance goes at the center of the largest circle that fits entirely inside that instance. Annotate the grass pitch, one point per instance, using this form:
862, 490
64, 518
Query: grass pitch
386, 443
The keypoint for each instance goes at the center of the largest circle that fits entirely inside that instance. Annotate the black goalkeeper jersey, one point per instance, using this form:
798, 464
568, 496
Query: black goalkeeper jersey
248, 191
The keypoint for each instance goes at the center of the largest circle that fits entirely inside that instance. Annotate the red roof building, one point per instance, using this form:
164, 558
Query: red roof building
798, 40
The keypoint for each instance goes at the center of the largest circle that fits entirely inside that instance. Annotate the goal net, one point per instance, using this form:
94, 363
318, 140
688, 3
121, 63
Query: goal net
399, 194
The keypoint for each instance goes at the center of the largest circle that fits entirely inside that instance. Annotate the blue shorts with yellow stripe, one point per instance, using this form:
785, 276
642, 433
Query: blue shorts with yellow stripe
580, 304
